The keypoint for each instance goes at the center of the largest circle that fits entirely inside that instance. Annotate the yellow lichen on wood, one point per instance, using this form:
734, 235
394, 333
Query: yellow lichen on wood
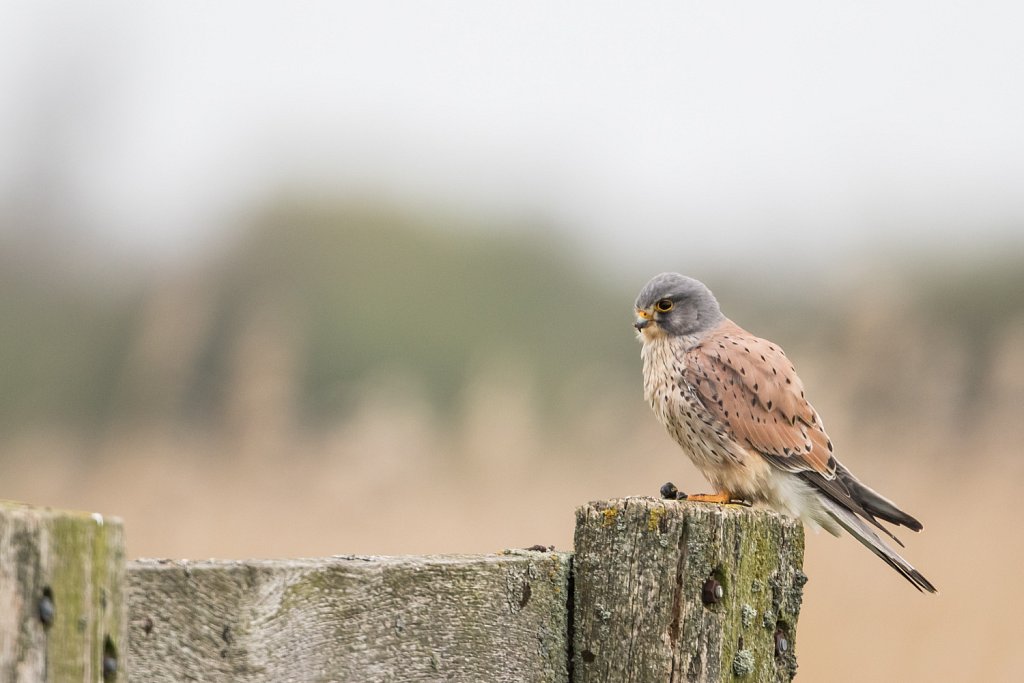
654, 519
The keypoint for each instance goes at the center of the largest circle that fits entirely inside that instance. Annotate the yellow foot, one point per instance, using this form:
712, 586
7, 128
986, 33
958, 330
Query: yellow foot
670, 492
722, 498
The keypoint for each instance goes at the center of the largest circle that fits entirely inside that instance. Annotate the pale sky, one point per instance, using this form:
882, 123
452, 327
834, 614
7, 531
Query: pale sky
727, 130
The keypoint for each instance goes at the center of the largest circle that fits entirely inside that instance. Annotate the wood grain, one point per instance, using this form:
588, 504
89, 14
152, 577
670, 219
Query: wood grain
430, 618
646, 606
656, 591
62, 610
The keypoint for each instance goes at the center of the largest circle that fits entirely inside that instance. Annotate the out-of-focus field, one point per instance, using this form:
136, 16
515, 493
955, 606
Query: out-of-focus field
324, 392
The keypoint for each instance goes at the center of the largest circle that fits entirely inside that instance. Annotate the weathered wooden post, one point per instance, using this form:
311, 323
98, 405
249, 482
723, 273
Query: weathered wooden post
62, 611
677, 591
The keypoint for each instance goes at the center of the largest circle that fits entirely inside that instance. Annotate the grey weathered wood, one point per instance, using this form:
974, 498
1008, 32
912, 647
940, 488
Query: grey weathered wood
75, 560
434, 618
635, 613
640, 568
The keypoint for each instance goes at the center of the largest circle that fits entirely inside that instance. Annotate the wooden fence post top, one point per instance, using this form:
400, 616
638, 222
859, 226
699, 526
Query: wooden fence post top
659, 506
677, 591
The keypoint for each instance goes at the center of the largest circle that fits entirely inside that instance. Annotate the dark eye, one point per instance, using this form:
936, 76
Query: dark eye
664, 305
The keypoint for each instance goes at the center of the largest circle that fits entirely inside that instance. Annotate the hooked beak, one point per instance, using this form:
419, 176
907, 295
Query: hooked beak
643, 319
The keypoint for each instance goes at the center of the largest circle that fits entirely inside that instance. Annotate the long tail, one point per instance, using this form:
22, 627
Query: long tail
873, 502
854, 507
860, 530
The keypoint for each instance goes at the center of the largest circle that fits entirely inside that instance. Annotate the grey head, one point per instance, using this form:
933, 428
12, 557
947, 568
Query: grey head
678, 305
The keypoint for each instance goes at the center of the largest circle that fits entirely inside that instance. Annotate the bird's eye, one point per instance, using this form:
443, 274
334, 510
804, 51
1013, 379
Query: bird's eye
664, 305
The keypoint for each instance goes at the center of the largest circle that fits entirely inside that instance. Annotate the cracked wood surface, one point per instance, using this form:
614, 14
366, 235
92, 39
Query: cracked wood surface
647, 606
427, 618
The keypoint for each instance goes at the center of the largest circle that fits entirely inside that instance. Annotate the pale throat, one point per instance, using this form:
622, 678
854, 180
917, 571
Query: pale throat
655, 335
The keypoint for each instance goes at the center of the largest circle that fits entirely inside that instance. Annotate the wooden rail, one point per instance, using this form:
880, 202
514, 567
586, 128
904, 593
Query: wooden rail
656, 591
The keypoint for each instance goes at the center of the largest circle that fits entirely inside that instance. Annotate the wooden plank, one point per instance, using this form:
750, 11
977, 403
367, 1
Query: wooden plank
647, 601
62, 611
432, 618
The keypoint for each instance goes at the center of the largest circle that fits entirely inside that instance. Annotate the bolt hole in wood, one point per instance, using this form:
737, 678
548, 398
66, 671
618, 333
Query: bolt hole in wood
109, 661
47, 608
714, 589
781, 639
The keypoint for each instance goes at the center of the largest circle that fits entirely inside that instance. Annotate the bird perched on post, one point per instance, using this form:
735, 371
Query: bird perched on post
734, 403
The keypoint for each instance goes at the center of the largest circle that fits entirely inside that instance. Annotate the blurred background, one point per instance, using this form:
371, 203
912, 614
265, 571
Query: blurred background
283, 280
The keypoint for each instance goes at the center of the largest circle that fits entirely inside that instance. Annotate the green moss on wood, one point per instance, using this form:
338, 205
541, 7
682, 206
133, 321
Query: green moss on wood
71, 570
760, 540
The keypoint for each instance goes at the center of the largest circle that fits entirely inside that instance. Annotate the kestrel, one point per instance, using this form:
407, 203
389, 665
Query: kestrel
734, 403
